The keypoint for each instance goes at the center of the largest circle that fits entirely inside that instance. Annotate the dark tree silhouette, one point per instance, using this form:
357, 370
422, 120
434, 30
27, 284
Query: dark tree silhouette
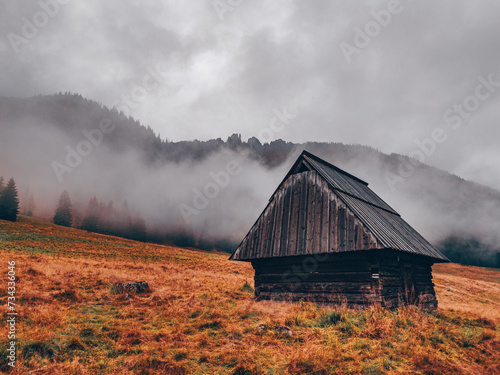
9, 202
29, 206
137, 231
469, 251
64, 213
91, 221
2, 186
123, 217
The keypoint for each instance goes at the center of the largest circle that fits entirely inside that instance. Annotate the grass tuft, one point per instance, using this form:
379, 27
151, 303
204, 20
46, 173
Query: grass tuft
329, 318
247, 288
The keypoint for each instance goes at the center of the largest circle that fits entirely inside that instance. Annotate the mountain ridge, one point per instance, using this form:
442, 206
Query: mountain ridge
132, 163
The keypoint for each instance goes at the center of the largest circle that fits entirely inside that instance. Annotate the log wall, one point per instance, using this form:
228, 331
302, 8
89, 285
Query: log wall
406, 280
351, 279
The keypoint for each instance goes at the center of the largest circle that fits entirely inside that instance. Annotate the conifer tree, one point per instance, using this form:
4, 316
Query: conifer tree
9, 201
137, 230
29, 206
64, 213
123, 220
2, 186
91, 221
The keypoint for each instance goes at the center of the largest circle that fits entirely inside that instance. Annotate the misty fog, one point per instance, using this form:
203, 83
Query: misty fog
211, 190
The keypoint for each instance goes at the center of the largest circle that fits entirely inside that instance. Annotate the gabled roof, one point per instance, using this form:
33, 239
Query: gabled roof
377, 217
340, 180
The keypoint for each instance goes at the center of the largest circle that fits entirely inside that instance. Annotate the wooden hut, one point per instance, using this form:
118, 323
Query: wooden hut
326, 237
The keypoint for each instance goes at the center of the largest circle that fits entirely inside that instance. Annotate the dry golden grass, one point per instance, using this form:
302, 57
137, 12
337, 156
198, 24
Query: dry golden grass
200, 317
471, 289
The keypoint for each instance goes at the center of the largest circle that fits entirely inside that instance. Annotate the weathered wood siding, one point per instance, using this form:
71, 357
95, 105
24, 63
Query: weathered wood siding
305, 217
352, 279
338, 279
406, 280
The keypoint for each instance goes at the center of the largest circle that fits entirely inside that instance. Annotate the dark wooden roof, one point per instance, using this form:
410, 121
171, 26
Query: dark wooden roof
319, 190
342, 181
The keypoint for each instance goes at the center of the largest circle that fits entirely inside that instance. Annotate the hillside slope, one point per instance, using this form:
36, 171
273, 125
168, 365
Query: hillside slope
200, 316
50, 143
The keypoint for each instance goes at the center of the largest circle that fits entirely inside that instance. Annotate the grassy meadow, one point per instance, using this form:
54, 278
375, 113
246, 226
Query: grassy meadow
200, 316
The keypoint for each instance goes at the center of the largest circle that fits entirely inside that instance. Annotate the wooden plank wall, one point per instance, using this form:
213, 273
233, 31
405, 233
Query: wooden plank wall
392, 267
305, 217
346, 279
340, 279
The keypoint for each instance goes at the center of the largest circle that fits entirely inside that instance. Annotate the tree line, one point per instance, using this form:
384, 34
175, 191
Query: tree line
99, 217
102, 218
9, 200
470, 251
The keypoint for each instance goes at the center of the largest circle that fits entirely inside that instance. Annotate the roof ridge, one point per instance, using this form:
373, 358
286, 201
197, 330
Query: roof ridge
319, 160
392, 211
374, 214
376, 202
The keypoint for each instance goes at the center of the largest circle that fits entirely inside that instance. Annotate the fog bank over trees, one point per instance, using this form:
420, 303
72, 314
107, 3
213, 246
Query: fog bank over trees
208, 193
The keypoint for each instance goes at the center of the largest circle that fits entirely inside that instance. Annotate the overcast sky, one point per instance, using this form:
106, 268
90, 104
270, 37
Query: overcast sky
380, 73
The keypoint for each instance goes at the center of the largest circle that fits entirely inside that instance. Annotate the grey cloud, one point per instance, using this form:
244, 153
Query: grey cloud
225, 76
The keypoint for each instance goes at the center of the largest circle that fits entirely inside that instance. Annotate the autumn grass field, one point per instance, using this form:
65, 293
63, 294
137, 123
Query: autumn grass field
200, 316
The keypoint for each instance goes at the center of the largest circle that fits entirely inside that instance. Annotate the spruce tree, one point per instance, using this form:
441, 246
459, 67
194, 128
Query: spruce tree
9, 202
2, 204
2, 186
91, 221
29, 206
64, 214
